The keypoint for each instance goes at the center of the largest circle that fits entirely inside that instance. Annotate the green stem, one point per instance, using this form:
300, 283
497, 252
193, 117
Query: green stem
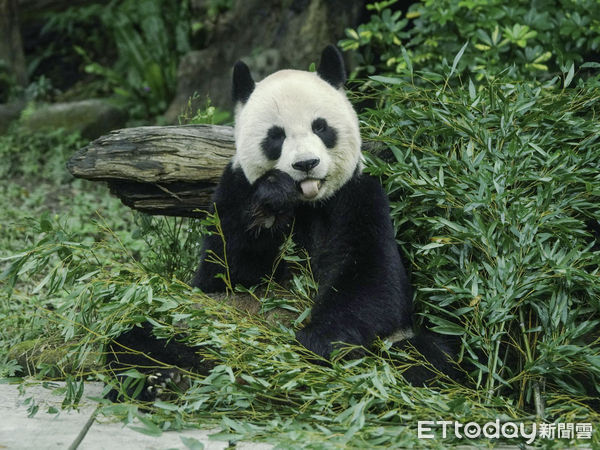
537, 395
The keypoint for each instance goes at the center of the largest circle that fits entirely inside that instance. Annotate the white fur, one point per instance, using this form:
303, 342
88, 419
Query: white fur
293, 99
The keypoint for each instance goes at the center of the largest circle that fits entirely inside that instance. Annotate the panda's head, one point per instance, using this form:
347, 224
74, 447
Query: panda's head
300, 123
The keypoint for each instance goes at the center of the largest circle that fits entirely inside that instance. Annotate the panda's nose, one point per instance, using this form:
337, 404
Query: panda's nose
306, 165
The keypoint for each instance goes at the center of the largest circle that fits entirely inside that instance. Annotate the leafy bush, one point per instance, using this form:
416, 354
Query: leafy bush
525, 39
261, 386
42, 204
493, 188
148, 38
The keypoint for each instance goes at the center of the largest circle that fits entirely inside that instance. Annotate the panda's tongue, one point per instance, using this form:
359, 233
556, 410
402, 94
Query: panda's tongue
310, 188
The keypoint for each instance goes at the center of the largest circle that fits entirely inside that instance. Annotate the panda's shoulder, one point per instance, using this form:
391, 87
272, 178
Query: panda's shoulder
233, 176
233, 189
365, 192
364, 185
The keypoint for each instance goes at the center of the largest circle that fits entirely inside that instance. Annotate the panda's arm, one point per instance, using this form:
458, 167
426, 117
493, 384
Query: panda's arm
363, 288
254, 219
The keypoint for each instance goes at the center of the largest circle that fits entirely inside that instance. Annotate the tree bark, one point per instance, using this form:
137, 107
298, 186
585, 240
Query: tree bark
11, 46
159, 170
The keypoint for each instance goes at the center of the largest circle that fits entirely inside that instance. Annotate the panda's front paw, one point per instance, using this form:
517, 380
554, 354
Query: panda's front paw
324, 340
272, 203
314, 342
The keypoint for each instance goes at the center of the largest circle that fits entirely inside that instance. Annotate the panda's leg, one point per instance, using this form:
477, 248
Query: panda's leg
359, 311
438, 351
364, 291
158, 359
363, 288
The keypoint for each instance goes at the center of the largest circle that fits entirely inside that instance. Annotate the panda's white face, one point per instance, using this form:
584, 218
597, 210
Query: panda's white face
296, 122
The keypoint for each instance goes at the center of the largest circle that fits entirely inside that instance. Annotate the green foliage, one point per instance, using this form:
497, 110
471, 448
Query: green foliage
43, 154
148, 38
379, 40
149, 35
205, 16
35, 188
42, 204
216, 7
41, 89
493, 186
261, 385
77, 25
522, 38
208, 114
173, 244
8, 83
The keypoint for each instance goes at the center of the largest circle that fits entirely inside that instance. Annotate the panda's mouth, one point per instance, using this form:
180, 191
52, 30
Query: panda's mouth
310, 187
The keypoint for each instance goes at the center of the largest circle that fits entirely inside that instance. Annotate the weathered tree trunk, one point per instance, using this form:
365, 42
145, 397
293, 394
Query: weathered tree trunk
11, 46
159, 170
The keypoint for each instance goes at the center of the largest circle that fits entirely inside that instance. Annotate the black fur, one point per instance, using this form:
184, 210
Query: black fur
139, 349
363, 289
331, 67
244, 210
272, 143
327, 134
243, 84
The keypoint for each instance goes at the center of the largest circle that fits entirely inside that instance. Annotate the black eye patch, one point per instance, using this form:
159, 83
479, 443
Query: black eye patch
272, 143
327, 134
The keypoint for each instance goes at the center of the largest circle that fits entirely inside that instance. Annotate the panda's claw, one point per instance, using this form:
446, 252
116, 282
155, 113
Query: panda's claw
165, 385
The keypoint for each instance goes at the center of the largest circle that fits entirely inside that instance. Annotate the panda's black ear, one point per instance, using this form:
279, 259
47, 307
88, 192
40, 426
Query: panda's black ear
243, 84
331, 68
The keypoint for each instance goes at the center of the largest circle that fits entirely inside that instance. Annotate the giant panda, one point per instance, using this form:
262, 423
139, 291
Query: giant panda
298, 169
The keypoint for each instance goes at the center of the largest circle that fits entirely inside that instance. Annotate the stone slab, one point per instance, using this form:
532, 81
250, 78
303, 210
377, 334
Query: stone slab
43, 430
47, 430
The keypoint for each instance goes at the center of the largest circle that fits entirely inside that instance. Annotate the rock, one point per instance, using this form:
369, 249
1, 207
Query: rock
92, 118
268, 36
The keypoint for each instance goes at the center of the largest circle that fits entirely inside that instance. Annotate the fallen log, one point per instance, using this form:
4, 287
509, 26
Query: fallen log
169, 170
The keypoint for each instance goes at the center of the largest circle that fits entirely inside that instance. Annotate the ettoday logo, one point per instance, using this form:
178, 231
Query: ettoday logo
508, 430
